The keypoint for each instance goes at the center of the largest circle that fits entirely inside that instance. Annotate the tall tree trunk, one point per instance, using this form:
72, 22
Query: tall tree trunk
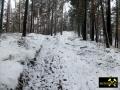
96, 27
1, 17
8, 16
25, 18
19, 15
61, 31
55, 24
51, 30
32, 18
109, 30
117, 23
92, 20
85, 20
104, 26
79, 22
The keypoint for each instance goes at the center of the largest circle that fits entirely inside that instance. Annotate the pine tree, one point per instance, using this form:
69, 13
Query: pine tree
1, 17
19, 15
109, 30
104, 26
32, 17
8, 16
92, 20
85, 20
80, 7
25, 18
117, 22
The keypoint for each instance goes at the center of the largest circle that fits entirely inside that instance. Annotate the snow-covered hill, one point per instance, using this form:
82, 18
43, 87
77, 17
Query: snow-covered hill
63, 62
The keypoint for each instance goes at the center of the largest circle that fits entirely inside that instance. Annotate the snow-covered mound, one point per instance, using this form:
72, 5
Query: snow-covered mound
13, 51
9, 74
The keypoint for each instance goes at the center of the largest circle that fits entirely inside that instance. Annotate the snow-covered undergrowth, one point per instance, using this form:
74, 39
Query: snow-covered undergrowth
15, 50
64, 62
9, 73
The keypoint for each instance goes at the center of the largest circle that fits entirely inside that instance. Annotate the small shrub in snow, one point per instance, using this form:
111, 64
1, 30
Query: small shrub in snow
22, 43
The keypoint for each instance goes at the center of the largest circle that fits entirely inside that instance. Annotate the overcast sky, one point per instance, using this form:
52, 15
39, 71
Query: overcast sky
66, 7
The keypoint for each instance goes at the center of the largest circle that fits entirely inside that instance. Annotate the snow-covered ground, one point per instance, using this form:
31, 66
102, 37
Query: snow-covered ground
64, 62
13, 51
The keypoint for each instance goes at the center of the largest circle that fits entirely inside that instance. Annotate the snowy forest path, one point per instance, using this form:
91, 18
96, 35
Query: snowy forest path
68, 63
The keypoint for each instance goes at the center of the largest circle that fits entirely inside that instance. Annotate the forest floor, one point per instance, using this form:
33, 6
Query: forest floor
55, 63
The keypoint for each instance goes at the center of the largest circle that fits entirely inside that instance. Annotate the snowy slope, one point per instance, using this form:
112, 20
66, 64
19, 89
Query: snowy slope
9, 74
64, 62
13, 51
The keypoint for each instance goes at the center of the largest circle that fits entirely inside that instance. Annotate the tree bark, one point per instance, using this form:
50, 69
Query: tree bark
117, 23
19, 15
109, 30
92, 20
85, 20
104, 26
8, 16
1, 17
51, 30
25, 18
32, 18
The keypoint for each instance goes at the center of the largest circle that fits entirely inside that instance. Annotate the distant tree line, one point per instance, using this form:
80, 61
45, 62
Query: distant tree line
33, 16
96, 20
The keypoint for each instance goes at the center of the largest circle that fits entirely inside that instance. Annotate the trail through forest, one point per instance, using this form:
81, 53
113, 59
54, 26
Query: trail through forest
69, 63
58, 44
